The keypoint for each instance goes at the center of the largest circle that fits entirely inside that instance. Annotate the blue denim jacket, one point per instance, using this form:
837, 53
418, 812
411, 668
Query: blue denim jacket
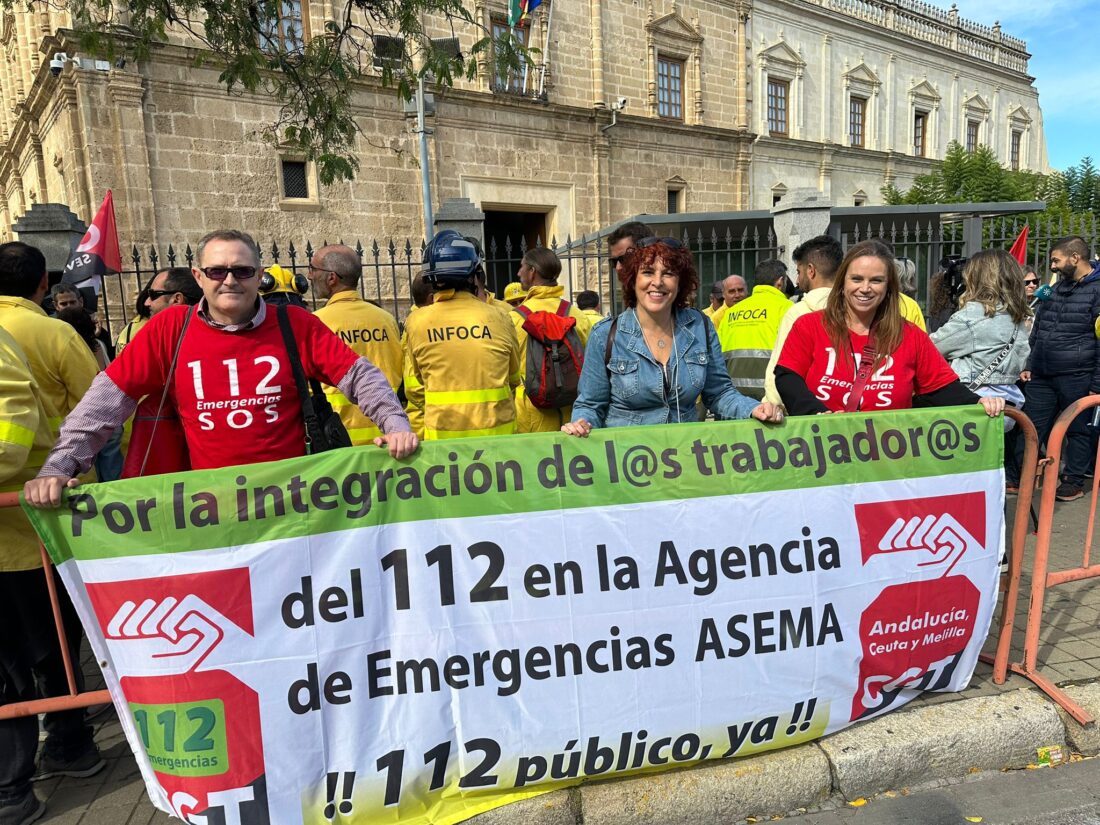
629, 388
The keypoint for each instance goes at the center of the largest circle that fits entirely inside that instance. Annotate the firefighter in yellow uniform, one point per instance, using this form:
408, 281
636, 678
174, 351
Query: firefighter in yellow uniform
60, 361
369, 330
422, 296
748, 329
462, 351
514, 293
538, 274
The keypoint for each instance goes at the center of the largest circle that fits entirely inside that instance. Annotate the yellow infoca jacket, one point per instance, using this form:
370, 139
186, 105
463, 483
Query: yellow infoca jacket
747, 333
529, 418
25, 441
60, 361
592, 316
414, 390
465, 354
370, 331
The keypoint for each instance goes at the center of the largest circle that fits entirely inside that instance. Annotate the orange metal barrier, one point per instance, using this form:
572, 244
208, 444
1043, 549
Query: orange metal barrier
1028, 477
1041, 577
52, 703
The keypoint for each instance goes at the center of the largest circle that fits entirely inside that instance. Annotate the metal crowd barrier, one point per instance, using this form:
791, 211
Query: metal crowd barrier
53, 703
1041, 577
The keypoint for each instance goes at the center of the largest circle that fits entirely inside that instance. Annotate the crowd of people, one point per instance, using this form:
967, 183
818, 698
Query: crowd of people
223, 365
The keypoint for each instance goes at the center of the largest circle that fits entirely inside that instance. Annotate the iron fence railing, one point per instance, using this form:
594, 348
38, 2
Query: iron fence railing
722, 244
388, 270
719, 250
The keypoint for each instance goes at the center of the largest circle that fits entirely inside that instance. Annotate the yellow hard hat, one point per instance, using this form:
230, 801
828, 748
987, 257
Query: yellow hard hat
280, 279
514, 292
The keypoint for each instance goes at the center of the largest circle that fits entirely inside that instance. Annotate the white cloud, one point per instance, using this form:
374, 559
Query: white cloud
1021, 16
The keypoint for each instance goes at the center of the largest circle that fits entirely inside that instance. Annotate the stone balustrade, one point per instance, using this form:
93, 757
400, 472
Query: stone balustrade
924, 21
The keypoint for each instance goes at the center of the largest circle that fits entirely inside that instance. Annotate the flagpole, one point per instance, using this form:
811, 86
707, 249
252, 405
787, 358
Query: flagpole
546, 47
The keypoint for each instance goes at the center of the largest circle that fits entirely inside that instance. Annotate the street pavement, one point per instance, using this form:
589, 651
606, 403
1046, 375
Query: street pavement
1069, 654
1067, 795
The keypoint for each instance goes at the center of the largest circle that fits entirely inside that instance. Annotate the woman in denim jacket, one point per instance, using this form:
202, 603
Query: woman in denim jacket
993, 316
662, 355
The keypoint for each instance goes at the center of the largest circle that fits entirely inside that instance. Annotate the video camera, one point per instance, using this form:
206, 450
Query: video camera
952, 267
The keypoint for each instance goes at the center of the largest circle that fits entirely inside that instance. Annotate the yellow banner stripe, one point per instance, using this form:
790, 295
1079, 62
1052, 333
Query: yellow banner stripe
16, 434
439, 435
466, 396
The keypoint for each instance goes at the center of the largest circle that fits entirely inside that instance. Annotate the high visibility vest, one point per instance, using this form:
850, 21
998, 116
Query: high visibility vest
747, 332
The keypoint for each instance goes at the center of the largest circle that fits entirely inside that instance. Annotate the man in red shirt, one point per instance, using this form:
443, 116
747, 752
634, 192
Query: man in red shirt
231, 385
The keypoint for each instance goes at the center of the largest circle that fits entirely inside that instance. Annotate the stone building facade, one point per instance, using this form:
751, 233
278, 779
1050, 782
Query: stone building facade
702, 81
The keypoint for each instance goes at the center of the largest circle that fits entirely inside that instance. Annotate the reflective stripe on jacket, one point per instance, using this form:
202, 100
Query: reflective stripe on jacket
25, 441
466, 356
372, 332
60, 361
747, 333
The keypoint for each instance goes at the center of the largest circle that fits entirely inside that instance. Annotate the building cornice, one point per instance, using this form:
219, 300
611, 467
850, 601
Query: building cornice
822, 13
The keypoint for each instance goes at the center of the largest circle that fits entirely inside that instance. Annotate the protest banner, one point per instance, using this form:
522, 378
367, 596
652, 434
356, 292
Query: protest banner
346, 638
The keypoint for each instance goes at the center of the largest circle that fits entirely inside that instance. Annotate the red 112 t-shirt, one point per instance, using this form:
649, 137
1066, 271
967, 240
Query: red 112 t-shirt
234, 391
915, 367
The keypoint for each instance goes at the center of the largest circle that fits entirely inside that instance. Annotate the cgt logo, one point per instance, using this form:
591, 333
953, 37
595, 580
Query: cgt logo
936, 530
174, 641
175, 624
914, 633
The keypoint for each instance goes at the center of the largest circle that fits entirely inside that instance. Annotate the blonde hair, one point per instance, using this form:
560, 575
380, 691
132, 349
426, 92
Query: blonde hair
888, 322
995, 280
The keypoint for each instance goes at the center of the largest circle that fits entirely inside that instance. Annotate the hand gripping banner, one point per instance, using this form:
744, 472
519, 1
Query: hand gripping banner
345, 638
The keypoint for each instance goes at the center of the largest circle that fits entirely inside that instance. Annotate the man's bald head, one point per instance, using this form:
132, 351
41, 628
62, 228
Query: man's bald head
334, 268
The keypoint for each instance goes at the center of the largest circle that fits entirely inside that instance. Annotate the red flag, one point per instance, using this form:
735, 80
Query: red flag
97, 255
1019, 248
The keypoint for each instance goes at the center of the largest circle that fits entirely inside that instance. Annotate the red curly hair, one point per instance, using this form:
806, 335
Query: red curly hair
677, 261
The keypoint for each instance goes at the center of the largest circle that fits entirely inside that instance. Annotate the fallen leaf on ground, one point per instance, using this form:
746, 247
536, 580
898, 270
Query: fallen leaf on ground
858, 803
972, 818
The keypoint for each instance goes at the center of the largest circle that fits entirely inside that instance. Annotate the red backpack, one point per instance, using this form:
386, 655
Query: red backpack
554, 357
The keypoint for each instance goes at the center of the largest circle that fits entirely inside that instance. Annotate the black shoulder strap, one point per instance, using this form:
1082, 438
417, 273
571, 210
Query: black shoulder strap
610, 341
309, 414
167, 386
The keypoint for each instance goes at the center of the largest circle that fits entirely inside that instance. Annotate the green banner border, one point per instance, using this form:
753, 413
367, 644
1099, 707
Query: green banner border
345, 488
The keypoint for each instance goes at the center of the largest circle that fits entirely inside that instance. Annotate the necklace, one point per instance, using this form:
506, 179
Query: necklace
661, 343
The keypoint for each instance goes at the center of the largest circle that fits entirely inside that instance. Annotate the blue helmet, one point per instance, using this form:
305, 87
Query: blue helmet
450, 260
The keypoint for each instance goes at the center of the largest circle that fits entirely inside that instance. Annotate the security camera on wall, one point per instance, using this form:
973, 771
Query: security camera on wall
619, 104
57, 63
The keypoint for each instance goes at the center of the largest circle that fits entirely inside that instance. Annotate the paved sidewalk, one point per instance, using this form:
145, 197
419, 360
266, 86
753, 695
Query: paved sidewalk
1069, 654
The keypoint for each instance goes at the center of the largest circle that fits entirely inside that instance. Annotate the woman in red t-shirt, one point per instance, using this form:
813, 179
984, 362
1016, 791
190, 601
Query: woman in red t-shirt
819, 369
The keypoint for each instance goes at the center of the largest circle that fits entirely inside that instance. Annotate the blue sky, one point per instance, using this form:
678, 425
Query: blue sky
1060, 36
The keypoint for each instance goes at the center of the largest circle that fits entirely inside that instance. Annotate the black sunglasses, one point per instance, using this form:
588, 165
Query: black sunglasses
672, 243
220, 273
1030, 281
669, 242
160, 293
